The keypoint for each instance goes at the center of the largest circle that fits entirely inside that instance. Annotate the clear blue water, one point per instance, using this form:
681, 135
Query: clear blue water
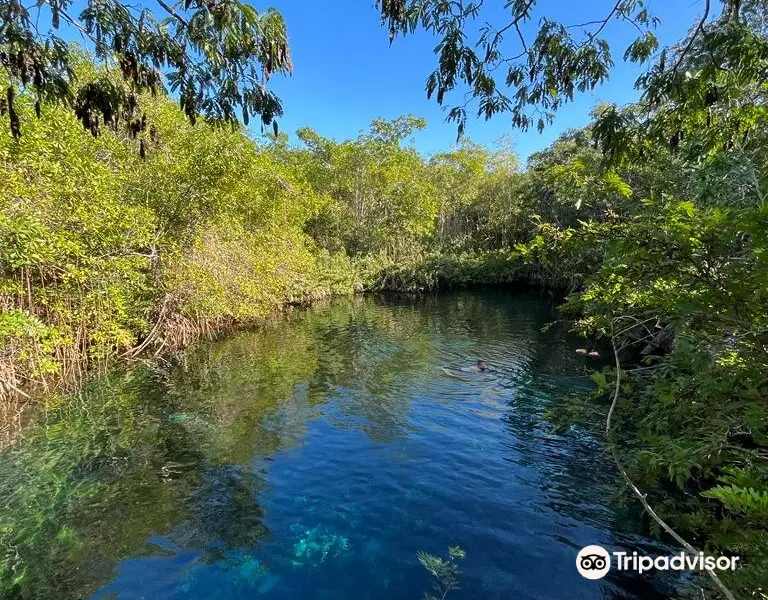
315, 457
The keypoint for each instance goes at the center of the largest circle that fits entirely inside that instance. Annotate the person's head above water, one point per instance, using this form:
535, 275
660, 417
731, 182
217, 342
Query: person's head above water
480, 365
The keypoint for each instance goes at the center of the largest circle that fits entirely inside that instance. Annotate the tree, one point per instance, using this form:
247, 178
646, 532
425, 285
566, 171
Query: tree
534, 75
217, 54
700, 97
382, 198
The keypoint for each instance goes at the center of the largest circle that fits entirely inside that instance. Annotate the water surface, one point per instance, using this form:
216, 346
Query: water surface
315, 456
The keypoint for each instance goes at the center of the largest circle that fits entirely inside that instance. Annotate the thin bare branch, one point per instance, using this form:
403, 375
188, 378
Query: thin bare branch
635, 490
173, 13
694, 35
514, 23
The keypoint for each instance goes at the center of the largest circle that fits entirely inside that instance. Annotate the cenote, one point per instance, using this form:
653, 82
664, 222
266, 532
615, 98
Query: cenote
315, 456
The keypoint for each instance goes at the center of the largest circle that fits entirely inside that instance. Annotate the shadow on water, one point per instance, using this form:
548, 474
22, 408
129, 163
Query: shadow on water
315, 456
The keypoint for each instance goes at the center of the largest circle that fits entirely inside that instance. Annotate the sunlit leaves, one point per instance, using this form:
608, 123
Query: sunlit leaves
385, 202
541, 74
217, 55
702, 96
92, 238
642, 48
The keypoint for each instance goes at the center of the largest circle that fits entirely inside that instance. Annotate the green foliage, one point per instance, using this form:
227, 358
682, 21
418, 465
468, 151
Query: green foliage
654, 217
682, 272
741, 501
217, 54
383, 201
438, 271
444, 571
531, 77
101, 251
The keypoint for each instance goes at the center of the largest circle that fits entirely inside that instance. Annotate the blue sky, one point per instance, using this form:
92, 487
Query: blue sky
347, 74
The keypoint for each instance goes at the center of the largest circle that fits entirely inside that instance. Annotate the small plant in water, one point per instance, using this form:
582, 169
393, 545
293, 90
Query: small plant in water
445, 571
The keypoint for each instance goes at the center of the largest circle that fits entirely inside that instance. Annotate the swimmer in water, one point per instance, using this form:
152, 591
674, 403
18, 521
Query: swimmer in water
478, 367
590, 351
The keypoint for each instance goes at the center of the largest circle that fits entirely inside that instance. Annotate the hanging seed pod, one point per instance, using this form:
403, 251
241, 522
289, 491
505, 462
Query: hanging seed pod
153, 133
144, 122
14, 118
37, 108
15, 123
674, 142
142, 150
711, 96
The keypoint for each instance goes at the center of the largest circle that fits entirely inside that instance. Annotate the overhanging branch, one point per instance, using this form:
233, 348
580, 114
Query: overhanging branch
173, 13
694, 35
635, 490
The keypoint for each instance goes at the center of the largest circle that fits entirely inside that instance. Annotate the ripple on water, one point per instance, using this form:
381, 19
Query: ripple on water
340, 442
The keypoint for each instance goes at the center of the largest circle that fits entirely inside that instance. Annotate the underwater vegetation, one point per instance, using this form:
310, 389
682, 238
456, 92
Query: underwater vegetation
317, 545
445, 572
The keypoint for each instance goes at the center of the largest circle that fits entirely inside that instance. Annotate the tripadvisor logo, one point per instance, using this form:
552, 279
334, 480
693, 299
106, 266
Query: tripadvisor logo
594, 562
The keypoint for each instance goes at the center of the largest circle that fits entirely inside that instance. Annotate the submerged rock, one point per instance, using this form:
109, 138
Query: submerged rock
319, 545
250, 569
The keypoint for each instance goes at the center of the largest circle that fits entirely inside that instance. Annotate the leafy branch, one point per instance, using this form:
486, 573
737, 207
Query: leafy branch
541, 74
444, 571
609, 432
218, 55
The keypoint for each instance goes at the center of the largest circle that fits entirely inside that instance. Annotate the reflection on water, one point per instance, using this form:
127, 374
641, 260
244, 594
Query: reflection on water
314, 457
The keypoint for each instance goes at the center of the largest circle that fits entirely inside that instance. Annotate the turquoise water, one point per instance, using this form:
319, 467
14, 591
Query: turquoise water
314, 457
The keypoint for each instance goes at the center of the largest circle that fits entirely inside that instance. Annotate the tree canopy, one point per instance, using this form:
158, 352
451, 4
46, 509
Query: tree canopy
217, 55
506, 69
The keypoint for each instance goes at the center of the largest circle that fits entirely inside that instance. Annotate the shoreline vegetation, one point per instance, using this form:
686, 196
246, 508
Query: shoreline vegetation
108, 255
121, 240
